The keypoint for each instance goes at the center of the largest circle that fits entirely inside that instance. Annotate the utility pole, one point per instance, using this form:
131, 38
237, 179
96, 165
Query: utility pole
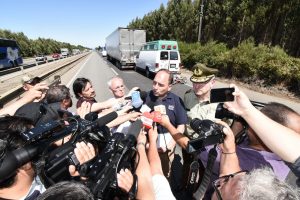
200, 21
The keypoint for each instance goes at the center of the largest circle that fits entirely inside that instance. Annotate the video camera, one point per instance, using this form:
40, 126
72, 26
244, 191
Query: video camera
118, 153
209, 133
39, 145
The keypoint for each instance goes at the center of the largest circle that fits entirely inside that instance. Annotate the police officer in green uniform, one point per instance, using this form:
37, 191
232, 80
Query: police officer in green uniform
197, 105
196, 100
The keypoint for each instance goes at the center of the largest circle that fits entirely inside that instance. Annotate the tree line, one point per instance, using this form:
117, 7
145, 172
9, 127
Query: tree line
271, 22
249, 40
31, 47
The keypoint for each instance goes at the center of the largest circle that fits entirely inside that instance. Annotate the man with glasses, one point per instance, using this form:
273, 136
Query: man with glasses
116, 85
237, 184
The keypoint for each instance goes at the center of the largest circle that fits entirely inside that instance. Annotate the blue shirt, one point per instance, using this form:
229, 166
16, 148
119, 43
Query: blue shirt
174, 109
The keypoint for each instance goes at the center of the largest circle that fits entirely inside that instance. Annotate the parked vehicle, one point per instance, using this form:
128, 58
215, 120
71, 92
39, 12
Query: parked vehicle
156, 55
40, 58
123, 45
104, 53
10, 54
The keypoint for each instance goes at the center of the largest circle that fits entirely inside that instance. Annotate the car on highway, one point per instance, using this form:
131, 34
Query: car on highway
104, 53
41, 58
55, 56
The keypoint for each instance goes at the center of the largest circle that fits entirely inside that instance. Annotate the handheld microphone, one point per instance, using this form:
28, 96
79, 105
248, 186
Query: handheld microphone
161, 109
105, 119
156, 116
147, 120
136, 100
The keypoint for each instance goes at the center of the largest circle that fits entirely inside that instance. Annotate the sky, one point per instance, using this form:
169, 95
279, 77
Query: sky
78, 22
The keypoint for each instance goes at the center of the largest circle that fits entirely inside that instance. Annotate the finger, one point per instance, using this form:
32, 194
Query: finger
80, 153
72, 171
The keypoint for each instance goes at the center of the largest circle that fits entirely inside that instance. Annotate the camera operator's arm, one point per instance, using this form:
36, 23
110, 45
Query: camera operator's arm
177, 135
229, 163
143, 171
34, 93
84, 152
123, 118
281, 140
97, 107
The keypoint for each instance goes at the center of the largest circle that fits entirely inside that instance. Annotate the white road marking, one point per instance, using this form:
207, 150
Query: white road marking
72, 80
114, 71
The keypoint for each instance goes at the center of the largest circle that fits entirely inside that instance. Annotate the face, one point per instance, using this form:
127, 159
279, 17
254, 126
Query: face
202, 89
88, 91
161, 84
228, 187
117, 88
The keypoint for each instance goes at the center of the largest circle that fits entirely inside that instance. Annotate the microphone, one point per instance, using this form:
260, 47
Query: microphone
147, 120
102, 121
92, 116
134, 129
161, 109
156, 116
136, 100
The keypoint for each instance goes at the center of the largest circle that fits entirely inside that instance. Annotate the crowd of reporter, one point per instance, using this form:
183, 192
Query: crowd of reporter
264, 164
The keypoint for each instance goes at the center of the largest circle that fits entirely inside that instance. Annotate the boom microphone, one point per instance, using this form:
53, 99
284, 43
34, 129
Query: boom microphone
102, 121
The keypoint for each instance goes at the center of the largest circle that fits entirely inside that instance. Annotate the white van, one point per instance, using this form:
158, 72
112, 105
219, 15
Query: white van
156, 55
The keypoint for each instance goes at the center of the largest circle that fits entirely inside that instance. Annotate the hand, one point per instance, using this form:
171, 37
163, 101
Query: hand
152, 133
125, 180
124, 110
228, 146
241, 103
84, 152
36, 92
84, 109
165, 121
134, 115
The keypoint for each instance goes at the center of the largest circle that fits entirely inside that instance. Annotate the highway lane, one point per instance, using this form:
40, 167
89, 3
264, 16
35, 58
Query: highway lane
99, 70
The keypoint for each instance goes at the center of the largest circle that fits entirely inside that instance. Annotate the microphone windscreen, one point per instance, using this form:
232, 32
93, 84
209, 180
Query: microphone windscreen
135, 128
106, 119
143, 95
92, 116
136, 101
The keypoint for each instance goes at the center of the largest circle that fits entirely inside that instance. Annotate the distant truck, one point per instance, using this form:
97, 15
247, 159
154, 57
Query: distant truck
64, 52
75, 51
123, 45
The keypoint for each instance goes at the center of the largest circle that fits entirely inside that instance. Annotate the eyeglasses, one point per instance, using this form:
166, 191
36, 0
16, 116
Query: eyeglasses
119, 88
223, 180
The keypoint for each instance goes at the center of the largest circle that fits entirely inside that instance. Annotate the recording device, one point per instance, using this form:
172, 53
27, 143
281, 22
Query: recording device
40, 139
209, 133
119, 153
221, 95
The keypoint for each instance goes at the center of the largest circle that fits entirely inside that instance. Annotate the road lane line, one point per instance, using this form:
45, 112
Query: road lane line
114, 71
72, 80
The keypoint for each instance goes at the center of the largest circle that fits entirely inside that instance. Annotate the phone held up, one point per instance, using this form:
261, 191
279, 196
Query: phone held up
221, 95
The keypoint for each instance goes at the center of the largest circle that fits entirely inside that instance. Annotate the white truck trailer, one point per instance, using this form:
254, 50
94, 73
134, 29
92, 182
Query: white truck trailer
123, 45
64, 52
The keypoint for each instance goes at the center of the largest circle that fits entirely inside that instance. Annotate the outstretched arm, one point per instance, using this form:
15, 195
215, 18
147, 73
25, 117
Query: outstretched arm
280, 139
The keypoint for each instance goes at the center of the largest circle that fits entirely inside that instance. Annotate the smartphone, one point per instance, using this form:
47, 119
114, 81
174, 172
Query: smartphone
221, 95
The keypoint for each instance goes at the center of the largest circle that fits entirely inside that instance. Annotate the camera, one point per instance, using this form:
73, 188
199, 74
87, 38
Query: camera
209, 133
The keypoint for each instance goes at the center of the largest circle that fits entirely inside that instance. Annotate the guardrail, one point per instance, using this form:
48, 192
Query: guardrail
26, 66
15, 92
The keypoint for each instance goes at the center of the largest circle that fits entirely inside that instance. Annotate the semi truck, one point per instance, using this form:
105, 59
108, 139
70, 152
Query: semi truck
123, 45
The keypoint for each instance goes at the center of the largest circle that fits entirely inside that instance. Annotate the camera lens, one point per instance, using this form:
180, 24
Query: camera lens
201, 126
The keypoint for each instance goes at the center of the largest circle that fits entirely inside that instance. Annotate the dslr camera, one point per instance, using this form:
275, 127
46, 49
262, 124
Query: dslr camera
209, 133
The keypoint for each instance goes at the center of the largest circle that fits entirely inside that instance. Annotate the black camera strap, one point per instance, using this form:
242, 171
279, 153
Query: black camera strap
212, 155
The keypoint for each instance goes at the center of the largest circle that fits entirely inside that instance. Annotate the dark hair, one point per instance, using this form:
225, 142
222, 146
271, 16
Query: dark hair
57, 93
278, 112
67, 191
10, 139
79, 85
170, 80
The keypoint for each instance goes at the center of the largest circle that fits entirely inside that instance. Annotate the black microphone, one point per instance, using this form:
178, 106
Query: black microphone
92, 116
104, 119
135, 129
